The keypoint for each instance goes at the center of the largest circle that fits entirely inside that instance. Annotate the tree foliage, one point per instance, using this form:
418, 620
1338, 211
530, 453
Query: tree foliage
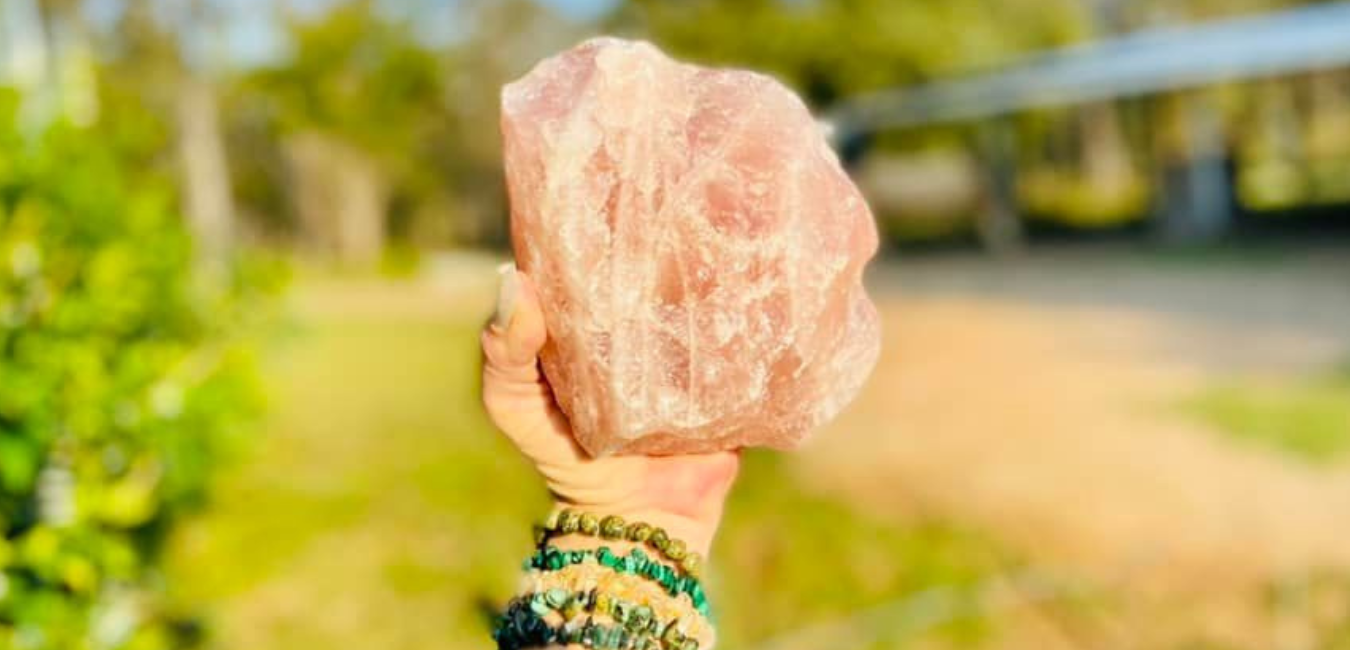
834, 48
122, 384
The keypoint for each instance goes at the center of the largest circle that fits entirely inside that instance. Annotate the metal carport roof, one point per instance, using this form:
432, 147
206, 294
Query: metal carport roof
1298, 40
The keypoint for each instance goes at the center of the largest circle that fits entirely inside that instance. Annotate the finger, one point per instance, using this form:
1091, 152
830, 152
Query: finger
515, 393
512, 341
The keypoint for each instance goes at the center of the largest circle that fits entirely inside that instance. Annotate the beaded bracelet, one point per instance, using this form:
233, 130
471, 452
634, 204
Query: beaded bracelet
550, 558
615, 587
613, 527
639, 621
522, 627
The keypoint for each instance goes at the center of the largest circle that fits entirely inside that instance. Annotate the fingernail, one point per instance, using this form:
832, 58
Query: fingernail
506, 295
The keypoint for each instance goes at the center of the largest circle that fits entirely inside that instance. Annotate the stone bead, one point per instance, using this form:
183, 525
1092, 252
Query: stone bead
672, 636
556, 597
692, 564
697, 596
659, 539
573, 609
639, 532
568, 521
612, 527
675, 550
589, 524
604, 603
642, 615
539, 605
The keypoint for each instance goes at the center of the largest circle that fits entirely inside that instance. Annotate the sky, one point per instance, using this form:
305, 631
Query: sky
253, 37
581, 9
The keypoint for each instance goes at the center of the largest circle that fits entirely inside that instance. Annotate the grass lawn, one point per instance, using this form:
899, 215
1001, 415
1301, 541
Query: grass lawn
1308, 419
379, 510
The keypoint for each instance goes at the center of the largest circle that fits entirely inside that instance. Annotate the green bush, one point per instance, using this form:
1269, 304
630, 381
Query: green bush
123, 382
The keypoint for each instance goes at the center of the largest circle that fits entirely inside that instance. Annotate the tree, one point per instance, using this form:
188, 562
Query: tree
833, 48
505, 39
362, 100
206, 174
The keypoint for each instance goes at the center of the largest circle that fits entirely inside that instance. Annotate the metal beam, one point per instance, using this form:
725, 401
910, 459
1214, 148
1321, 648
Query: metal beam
1143, 63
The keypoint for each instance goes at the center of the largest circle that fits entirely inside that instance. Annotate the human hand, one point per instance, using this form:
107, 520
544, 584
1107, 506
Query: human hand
683, 494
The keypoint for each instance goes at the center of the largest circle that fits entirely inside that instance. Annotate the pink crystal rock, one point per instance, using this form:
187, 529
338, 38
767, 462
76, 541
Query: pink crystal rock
697, 249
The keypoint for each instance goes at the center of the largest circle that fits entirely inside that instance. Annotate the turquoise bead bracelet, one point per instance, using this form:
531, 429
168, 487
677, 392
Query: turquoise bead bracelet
613, 527
637, 619
550, 558
523, 626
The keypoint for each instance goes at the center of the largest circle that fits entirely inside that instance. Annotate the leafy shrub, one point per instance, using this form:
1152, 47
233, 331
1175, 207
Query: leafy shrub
123, 382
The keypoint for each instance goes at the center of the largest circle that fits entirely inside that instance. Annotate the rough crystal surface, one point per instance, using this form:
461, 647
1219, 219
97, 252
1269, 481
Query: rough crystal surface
697, 249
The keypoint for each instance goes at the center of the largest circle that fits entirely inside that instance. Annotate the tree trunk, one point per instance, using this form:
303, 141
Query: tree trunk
207, 192
340, 198
30, 58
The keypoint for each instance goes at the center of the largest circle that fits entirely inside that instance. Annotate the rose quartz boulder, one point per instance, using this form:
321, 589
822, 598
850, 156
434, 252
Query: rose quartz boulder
697, 249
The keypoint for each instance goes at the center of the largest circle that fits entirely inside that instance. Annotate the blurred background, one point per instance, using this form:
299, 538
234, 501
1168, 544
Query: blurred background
246, 246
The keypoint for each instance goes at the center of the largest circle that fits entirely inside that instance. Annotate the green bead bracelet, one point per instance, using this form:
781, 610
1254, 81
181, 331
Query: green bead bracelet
521, 627
639, 620
613, 527
550, 558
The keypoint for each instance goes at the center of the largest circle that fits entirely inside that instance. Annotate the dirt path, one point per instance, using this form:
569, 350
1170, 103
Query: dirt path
1034, 401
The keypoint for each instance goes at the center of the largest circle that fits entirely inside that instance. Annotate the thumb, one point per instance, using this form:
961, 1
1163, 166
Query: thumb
512, 341
517, 397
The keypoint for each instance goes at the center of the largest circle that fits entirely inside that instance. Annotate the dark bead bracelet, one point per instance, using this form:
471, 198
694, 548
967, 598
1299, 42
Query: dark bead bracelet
523, 626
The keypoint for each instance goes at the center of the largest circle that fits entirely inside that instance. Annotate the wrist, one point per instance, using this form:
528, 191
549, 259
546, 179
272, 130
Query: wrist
607, 575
